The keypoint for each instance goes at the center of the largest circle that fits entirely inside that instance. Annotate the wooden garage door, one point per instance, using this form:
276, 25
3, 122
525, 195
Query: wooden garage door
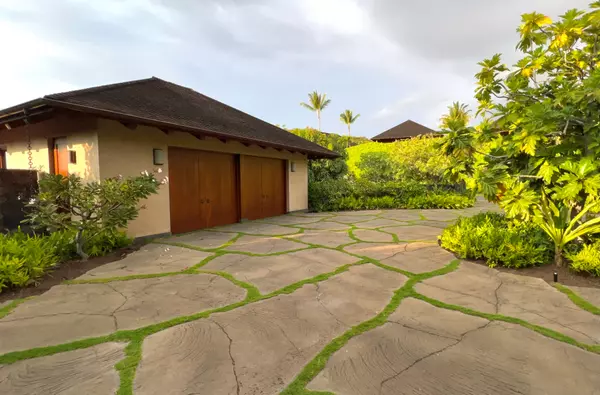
203, 189
263, 187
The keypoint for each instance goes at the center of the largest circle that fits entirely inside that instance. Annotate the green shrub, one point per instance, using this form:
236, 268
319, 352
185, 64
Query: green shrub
106, 242
587, 259
24, 258
416, 159
377, 167
497, 240
440, 199
343, 194
89, 209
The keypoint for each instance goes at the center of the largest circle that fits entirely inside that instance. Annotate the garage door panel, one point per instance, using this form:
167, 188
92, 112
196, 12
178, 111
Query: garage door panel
203, 189
184, 195
263, 187
273, 178
219, 186
251, 194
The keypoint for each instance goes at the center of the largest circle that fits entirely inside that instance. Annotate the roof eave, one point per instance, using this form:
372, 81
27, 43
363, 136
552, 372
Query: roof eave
209, 133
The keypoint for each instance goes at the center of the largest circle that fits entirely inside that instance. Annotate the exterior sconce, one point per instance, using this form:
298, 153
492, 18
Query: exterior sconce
293, 167
158, 156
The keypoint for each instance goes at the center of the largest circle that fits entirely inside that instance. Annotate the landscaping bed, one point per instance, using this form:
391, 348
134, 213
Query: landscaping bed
493, 240
68, 270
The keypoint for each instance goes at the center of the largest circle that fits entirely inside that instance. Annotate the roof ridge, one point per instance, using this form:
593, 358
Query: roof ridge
224, 104
62, 95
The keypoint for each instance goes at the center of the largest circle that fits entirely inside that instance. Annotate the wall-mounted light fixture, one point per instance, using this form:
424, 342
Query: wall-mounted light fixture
293, 167
158, 156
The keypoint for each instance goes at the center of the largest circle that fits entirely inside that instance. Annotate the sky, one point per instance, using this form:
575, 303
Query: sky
389, 60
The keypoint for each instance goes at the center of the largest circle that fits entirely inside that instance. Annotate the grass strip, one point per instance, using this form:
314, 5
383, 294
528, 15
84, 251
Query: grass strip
578, 300
8, 308
127, 367
310, 371
253, 295
512, 320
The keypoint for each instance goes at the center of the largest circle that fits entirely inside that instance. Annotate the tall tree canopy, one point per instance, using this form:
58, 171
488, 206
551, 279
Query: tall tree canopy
317, 103
536, 151
348, 118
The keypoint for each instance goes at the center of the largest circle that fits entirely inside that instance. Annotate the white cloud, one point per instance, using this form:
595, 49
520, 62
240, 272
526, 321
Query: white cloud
388, 59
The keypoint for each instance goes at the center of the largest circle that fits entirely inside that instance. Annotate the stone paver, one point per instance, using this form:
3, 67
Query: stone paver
373, 236
71, 312
261, 347
274, 272
436, 224
415, 232
325, 238
402, 215
327, 225
415, 257
263, 245
528, 298
291, 220
88, 371
258, 228
441, 214
202, 239
353, 219
592, 295
433, 351
378, 223
150, 259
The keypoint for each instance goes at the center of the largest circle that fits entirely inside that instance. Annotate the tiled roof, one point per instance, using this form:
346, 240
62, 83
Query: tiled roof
406, 129
164, 104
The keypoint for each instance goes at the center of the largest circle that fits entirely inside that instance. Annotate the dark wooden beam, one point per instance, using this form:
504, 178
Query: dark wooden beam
128, 125
199, 137
263, 146
246, 144
224, 141
165, 131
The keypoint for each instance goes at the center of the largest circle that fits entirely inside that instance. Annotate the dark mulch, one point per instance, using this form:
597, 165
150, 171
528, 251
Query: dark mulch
565, 276
66, 271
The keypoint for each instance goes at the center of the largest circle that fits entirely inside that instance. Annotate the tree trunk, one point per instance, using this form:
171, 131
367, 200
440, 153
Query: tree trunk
79, 245
319, 118
558, 256
348, 135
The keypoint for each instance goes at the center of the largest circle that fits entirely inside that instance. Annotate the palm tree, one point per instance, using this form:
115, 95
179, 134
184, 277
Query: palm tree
458, 116
348, 118
317, 103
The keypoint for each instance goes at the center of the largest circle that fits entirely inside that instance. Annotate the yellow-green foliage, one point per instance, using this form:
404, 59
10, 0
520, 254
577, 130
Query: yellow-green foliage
587, 259
417, 158
332, 141
355, 153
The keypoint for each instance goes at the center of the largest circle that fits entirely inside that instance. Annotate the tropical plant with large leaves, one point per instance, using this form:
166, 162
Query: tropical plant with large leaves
536, 150
316, 103
348, 118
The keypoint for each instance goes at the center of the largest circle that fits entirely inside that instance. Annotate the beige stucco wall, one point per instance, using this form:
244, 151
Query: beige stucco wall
17, 155
298, 186
128, 152
85, 144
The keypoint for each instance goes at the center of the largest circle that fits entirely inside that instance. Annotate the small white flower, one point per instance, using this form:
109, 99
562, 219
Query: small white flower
159, 170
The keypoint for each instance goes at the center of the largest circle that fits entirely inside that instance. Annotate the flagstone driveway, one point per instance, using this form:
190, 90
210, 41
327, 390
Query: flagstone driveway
349, 303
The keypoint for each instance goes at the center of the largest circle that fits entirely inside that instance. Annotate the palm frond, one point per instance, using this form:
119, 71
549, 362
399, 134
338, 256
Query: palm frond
308, 106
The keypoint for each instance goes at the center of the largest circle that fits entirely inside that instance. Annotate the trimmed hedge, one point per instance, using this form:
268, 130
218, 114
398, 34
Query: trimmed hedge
342, 194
